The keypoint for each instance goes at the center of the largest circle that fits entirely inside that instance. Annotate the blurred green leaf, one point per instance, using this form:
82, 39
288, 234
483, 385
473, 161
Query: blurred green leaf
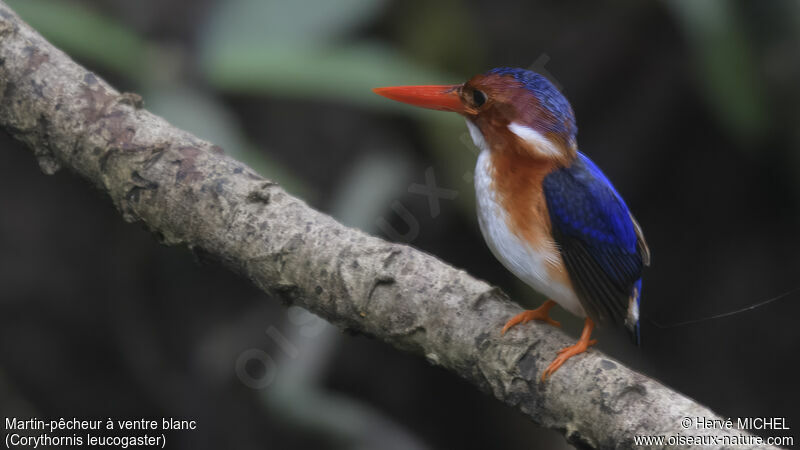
237, 22
728, 67
344, 74
444, 32
297, 49
86, 35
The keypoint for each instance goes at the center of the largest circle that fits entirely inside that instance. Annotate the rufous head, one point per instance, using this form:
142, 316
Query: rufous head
506, 109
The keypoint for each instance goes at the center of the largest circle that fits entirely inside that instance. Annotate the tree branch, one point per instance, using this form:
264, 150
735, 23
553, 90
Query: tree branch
189, 193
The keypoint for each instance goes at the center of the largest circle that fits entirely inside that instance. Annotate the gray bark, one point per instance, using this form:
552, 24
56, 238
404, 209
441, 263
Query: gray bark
188, 192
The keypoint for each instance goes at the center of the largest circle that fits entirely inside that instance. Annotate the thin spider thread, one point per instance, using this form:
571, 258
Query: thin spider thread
725, 314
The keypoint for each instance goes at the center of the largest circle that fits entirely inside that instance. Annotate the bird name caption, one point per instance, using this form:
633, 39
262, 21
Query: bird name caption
740, 423
73, 432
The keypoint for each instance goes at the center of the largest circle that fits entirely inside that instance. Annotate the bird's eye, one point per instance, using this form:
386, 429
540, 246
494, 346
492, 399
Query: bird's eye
478, 97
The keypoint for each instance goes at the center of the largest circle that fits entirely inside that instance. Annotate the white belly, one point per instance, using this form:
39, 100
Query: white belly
529, 264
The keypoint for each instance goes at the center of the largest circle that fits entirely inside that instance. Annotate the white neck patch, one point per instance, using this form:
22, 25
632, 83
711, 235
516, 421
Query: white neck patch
477, 136
539, 143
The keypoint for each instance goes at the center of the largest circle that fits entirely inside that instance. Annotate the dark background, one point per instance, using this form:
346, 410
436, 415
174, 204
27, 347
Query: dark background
691, 108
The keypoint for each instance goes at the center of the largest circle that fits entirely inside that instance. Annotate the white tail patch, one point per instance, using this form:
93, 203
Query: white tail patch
539, 143
633, 310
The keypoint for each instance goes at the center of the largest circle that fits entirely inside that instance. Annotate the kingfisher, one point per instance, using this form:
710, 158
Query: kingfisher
546, 211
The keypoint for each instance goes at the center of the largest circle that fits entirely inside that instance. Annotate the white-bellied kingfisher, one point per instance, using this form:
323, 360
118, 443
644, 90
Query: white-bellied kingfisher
546, 210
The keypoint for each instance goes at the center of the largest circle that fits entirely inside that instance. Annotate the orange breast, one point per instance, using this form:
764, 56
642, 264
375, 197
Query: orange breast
517, 181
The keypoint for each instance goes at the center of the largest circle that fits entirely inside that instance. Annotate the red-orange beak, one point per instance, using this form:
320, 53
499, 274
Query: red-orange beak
442, 98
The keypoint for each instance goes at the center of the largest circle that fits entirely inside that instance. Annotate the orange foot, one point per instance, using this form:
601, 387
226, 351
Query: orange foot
568, 352
540, 313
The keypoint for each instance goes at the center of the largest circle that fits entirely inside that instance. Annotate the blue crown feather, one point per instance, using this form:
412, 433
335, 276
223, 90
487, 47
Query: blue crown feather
547, 94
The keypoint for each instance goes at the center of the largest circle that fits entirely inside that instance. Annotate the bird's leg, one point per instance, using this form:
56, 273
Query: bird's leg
540, 313
568, 352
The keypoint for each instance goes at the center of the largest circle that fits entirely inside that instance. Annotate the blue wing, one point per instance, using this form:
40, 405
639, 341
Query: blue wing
600, 242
